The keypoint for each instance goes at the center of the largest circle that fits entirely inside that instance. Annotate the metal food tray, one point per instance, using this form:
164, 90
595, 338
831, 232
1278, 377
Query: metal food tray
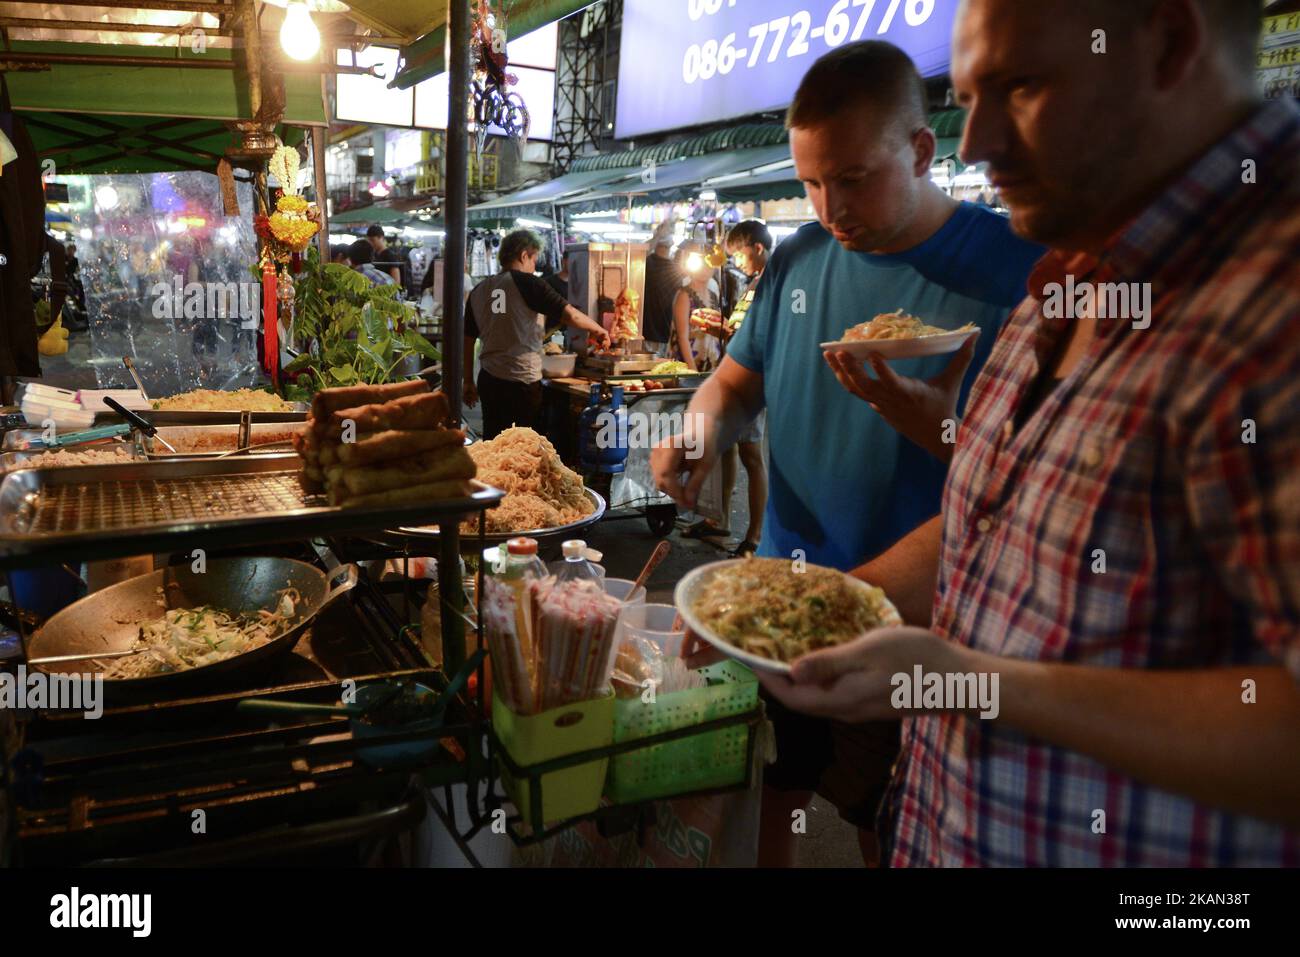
105, 511
471, 540
179, 436
204, 418
23, 456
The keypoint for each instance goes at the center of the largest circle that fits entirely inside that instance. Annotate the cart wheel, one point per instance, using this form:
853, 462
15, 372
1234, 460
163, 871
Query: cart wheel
661, 519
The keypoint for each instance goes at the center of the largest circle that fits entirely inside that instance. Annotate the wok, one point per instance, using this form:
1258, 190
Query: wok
109, 620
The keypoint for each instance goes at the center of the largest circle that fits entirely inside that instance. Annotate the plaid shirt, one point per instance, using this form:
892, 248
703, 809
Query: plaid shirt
1142, 458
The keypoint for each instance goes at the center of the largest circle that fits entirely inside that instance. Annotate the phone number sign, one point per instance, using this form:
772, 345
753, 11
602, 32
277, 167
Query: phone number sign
686, 62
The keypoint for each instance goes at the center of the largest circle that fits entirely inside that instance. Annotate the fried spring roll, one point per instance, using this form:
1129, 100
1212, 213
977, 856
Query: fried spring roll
349, 397
417, 470
393, 446
413, 412
431, 492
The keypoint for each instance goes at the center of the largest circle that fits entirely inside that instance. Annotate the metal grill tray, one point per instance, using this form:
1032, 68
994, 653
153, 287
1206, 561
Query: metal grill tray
105, 511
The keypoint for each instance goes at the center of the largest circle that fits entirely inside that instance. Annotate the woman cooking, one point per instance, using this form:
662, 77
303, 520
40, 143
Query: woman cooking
697, 349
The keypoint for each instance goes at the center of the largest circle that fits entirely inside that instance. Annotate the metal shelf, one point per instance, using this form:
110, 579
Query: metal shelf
106, 511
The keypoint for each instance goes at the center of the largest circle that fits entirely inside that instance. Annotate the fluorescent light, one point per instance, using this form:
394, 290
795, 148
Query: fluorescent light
534, 224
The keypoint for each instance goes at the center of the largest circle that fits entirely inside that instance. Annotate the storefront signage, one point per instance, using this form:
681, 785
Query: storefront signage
1279, 56
687, 62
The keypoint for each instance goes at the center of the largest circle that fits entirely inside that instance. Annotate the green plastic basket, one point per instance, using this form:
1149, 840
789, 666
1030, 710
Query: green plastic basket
700, 762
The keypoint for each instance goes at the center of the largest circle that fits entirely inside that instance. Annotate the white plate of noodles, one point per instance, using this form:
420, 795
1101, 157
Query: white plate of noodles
896, 335
766, 612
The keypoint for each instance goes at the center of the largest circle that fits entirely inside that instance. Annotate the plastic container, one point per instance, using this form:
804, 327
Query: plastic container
654, 622
700, 762
534, 739
559, 367
621, 588
576, 566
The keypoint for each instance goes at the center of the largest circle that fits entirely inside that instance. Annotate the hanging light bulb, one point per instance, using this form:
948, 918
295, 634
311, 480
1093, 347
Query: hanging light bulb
298, 35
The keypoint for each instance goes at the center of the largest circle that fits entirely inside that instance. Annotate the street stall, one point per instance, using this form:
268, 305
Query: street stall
227, 651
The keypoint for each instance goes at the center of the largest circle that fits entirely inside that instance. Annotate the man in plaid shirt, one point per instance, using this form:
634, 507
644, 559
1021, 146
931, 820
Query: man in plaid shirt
1120, 536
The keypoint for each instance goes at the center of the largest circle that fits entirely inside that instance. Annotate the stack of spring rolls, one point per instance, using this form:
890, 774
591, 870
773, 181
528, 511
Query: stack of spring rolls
381, 445
552, 644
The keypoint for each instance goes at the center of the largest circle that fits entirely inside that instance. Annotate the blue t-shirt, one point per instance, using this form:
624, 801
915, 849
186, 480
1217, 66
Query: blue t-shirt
843, 484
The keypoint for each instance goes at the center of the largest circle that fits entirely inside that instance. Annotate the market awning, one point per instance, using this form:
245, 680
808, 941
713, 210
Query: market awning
536, 200
772, 185
383, 215
94, 118
677, 179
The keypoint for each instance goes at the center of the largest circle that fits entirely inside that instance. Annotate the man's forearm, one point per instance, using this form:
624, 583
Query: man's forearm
1188, 732
908, 572
577, 319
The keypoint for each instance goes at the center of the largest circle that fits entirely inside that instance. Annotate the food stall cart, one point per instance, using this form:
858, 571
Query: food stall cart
250, 760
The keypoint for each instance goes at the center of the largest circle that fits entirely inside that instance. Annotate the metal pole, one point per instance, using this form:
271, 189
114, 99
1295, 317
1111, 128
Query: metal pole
450, 586
188, 63
322, 191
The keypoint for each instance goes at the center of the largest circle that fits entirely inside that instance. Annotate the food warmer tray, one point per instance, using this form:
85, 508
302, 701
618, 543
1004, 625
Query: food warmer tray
205, 418
106, 511
471, 541
180, 437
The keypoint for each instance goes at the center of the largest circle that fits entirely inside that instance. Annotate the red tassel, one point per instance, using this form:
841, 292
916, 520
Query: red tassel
270, 316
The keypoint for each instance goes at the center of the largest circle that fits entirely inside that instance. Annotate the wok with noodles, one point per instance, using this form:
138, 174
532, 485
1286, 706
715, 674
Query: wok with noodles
185, 638
767, 607
192, 627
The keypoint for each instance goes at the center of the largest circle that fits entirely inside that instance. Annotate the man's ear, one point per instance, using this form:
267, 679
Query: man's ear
925, 146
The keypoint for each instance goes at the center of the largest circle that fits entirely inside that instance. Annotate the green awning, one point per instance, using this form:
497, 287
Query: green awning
93, 118
383, 215
536, 201
677, 180
774, 185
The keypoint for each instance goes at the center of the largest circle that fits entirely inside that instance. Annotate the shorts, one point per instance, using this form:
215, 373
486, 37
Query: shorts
754, 431
848, 764
659, 349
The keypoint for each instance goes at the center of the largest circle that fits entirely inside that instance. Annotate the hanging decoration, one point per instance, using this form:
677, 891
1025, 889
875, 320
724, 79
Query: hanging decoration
491, 102
285, 233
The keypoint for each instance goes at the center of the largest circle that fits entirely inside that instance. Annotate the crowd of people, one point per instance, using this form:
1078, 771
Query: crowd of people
1099, 510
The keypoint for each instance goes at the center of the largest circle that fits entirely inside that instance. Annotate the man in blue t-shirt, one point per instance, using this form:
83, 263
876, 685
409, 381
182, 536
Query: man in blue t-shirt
844, 485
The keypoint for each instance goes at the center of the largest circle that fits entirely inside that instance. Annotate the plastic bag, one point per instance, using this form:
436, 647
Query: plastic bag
641, 660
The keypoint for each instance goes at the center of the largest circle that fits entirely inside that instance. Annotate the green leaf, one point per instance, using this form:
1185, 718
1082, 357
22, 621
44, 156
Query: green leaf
303, 361
417, 343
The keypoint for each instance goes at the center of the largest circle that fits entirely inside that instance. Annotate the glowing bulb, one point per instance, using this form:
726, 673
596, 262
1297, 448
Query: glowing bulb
694, 262
106, 196
298, 35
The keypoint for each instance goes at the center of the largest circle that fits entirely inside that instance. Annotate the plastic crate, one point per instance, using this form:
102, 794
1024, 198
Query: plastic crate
713, 760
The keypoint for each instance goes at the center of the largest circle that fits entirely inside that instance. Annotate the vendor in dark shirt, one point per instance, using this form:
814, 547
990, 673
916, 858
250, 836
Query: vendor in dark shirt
508, 312
662, 280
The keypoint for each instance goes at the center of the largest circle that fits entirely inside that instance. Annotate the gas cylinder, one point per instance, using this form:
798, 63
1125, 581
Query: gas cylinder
602, 431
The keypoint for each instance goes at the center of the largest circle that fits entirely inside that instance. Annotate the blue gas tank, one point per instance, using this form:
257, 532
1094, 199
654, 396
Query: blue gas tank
602, 431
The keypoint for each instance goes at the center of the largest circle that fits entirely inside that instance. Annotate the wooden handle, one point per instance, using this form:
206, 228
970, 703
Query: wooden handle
658, 555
